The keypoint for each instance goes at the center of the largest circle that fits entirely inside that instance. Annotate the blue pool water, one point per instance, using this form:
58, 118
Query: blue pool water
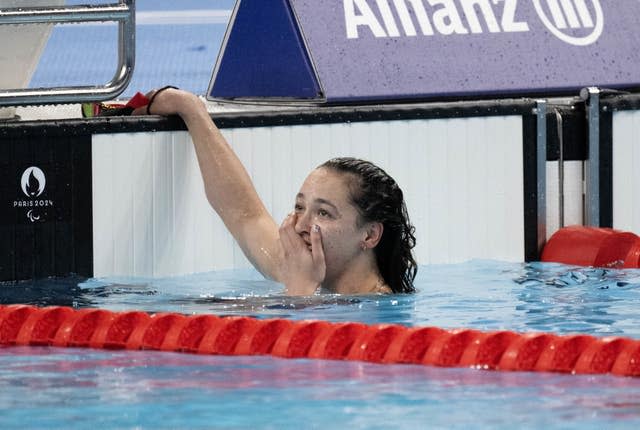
71, 388
169, 48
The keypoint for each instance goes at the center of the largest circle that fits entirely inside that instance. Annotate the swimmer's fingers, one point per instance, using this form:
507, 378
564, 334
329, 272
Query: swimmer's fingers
288, 235
303, 270
139, 111
317, 251
142, 110
284, 236
161, 102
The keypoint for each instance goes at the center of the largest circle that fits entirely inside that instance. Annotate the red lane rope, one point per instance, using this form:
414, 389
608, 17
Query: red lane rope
382, 343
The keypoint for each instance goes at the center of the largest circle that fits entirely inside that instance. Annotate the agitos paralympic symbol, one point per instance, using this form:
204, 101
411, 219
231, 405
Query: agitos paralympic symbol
576, 22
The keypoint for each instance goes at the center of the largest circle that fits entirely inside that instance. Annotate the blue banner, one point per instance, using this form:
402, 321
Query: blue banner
368, 50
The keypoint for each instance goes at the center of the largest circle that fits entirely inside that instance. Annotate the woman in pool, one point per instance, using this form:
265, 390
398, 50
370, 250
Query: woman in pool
349, 232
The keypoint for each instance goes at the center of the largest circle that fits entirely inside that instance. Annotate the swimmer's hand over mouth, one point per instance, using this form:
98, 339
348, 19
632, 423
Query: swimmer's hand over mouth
304, 263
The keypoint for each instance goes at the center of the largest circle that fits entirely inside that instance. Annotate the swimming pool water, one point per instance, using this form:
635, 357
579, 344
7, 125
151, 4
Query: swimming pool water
65, 388
72, 388
487, 295
166, 53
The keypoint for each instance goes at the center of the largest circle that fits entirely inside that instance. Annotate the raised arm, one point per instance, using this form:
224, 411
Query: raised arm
227, 184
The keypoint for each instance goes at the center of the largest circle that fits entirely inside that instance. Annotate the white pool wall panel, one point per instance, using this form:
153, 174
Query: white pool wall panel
462, 179
572, 195
626, 170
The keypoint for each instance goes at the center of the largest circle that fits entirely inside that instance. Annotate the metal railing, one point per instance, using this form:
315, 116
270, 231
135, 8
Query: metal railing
122, 12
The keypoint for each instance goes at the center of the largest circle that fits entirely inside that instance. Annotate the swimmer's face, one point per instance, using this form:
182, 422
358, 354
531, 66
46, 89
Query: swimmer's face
324, 199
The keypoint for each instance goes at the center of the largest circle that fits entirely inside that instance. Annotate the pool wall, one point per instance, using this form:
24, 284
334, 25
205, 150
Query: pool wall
123, 196
151, 216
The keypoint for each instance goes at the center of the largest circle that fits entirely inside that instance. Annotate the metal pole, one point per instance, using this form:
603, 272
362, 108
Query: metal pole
69, 14
559, 128
541, 172
591, 96
122, 12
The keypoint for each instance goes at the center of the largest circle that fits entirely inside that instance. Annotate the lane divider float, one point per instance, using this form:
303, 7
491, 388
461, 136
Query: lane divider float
382, 343
593, 246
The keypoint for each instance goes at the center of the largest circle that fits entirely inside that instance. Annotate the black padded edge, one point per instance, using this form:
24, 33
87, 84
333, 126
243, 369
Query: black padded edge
261, 117
620, 102
530, 186
606, 169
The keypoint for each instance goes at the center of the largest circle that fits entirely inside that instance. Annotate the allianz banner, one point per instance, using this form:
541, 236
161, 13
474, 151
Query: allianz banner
340, 51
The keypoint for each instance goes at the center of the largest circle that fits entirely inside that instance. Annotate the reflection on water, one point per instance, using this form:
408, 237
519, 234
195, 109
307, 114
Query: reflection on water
487, 295
580, 299
559, 276
45, 292
142, 389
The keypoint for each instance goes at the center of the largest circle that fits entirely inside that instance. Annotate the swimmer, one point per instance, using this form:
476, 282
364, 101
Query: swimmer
348, 232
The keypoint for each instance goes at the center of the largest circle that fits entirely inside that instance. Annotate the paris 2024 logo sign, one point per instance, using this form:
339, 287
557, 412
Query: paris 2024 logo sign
35, 206
33, 182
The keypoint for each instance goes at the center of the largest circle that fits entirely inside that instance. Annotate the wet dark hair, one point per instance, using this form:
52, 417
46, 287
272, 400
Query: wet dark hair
379, 199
